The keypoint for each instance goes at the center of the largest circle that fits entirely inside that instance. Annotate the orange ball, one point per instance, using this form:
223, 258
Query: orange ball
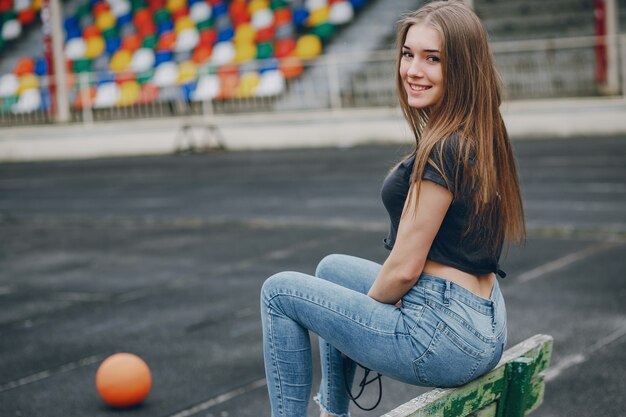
123, 380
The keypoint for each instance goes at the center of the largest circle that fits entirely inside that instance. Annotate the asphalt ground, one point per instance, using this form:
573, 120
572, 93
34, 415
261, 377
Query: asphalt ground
165, 256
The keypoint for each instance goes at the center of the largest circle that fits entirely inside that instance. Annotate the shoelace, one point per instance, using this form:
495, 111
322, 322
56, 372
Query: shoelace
364, 382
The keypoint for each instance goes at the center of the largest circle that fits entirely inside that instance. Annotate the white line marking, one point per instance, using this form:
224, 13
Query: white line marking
572, 360
221, 399
240, 265
567, 362
50, 372
564, 261
82, 297
607, 340
285, 253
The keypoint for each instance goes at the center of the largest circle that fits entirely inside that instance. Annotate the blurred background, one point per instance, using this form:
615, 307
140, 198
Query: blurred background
128, 59
161, 158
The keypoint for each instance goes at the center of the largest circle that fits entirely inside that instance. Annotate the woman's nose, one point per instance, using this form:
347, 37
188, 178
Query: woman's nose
415, 69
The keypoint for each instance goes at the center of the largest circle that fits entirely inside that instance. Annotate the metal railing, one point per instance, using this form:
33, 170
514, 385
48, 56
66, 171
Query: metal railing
536, 69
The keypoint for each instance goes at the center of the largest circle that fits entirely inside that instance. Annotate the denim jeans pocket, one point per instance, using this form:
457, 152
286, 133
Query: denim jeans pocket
479, 325
412, 314
449, 361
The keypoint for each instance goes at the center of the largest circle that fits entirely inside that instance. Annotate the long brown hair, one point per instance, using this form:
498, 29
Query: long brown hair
469, 109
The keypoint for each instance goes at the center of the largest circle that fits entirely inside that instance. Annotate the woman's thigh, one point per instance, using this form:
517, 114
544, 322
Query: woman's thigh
351, 272
371, 333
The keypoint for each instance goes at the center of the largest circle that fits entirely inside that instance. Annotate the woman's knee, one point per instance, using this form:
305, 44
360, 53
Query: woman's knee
272, 285
281, 283
327, 267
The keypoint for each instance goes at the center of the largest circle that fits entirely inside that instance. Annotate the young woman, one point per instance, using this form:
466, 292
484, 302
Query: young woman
432, 314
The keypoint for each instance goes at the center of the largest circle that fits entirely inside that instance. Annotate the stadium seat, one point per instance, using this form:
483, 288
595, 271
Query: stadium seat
200, 49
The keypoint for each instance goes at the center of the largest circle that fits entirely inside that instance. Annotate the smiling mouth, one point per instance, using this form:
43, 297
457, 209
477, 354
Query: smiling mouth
415, 87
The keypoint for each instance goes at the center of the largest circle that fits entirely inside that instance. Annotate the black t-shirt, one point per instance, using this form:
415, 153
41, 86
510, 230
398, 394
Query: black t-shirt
451, 245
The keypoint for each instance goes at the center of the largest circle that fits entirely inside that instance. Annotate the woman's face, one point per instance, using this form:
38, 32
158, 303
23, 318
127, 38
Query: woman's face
420, 66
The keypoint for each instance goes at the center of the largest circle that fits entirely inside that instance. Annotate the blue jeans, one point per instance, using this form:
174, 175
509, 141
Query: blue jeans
442, 336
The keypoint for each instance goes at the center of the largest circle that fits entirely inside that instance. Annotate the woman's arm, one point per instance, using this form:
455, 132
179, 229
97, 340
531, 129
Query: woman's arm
416, 232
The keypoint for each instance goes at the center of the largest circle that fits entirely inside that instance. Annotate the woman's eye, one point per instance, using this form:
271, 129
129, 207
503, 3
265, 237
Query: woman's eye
407, 54
433, 58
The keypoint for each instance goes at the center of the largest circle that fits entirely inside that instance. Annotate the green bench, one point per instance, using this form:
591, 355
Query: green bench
514, 388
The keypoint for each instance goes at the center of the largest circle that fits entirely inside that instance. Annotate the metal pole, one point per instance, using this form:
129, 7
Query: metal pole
334, 87
207, 110
83, 88
62, 101
612, 57
622, 44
